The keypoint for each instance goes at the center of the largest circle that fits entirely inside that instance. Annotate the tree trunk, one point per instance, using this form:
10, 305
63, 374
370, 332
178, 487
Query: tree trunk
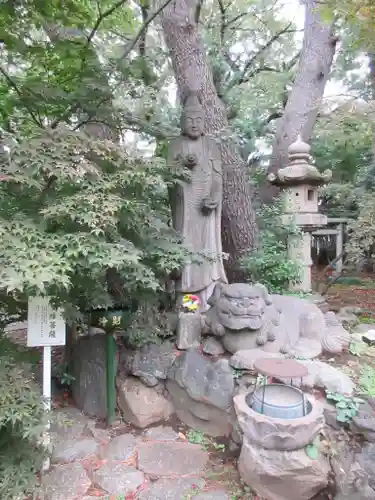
193, 73
306, 96
372, 81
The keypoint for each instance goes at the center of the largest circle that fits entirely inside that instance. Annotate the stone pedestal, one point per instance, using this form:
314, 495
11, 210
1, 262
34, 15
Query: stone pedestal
299, 250
188, 330
273, 460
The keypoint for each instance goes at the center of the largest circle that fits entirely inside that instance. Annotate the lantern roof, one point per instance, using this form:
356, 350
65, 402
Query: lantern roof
299, 170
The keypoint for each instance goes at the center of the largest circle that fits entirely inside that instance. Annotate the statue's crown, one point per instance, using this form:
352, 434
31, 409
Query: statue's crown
192, 102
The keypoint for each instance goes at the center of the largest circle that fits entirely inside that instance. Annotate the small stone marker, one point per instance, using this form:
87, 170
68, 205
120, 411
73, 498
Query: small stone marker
188, 330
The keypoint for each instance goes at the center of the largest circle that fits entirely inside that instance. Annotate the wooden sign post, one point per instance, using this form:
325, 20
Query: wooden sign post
45, 328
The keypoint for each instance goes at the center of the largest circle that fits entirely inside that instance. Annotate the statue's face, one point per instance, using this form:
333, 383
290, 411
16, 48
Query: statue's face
240, 308
193, 125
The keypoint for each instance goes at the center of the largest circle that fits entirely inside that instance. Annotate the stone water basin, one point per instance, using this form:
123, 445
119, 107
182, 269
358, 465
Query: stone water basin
278, 401
273, 433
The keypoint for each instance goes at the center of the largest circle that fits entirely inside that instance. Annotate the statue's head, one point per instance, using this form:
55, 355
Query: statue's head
192, 117
240, 305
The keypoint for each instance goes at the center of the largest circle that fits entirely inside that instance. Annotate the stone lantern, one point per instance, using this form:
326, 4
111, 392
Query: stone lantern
299, 182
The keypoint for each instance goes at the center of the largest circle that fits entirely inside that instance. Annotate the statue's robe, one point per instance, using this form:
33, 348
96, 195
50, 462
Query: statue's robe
200, 233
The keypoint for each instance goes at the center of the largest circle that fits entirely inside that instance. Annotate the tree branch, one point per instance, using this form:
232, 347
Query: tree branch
288, 66
142, 39
14, 86
136, 124
144, 27
131, 45
242, 78
101, 18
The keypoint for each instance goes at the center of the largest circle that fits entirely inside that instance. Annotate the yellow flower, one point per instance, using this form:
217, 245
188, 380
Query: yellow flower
116, 320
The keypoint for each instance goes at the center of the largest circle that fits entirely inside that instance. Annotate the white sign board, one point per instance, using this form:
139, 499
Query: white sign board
45, 325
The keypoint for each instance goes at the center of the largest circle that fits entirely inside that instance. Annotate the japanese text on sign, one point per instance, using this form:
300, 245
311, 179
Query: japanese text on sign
46, 325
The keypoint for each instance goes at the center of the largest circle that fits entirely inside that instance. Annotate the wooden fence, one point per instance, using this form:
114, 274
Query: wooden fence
328, 243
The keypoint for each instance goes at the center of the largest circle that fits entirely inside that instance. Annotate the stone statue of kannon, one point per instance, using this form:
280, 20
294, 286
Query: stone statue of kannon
196, 202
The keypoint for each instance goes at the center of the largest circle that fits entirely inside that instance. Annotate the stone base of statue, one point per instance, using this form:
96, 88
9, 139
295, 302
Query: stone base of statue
188, 330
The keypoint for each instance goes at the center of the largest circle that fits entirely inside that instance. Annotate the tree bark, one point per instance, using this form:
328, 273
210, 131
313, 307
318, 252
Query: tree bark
372, 82
193, 73
305, 98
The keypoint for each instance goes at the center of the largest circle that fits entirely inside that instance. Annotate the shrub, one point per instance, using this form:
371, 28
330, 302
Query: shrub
22, 423
361, 244
83, 221
270, 264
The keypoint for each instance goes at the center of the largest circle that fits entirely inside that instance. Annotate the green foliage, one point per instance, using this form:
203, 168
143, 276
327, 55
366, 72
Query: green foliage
362, 230
73, 207
270, 264
312, 449
22, 423
367, 381
342, 143
360, 16
363, 318
197, 437
346, 407
149, 325
357, 348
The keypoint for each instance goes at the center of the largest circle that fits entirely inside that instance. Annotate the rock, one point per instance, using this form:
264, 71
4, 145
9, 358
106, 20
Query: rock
188, 330
325, 376
101, 435
202, 393
212, 346
89, 387
73, 449
336, 339
161, 434
246, 384
364, 328
233, 446
141, 405
245, 359
104, 497
65, 482
348, 315
365, 427
237, 434
319, 301
118, 478
366, 459
170, 459
126, 358
212, 495
330, 418
69, 424
369, 337
352, 483
171, 489
120, 448
152, 361
287, 475
364, 422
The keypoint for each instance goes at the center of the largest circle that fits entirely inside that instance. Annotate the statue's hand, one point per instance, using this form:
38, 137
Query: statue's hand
208, 204
190, 161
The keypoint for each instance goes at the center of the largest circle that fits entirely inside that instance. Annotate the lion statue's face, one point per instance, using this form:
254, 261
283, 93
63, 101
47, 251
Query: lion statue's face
241, 306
